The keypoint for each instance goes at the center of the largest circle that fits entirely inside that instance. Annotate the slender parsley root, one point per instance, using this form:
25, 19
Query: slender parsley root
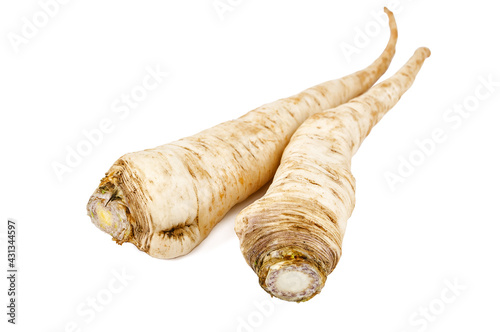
166, 200
292, 236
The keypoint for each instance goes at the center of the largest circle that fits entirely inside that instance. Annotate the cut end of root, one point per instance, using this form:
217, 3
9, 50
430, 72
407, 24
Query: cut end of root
110, 214
293, 282
290, 274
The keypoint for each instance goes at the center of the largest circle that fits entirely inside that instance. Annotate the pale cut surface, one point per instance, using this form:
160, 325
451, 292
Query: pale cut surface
299, 224
173, 195
292, 282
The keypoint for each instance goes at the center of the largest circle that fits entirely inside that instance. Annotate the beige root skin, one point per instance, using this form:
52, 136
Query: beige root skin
300, 222
176, 193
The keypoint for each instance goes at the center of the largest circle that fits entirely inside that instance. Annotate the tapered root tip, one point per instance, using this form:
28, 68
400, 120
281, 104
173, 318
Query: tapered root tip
392, 20
425, 51
294, 282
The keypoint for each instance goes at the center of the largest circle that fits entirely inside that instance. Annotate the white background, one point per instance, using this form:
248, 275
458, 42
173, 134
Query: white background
404, 245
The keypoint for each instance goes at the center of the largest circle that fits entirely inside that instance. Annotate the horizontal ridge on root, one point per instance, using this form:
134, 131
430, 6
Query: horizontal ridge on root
179, 231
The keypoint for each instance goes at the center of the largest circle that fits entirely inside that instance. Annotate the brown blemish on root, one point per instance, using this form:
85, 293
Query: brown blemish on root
180, 231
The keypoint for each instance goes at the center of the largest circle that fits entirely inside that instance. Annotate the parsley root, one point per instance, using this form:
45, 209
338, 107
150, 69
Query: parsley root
292, 236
